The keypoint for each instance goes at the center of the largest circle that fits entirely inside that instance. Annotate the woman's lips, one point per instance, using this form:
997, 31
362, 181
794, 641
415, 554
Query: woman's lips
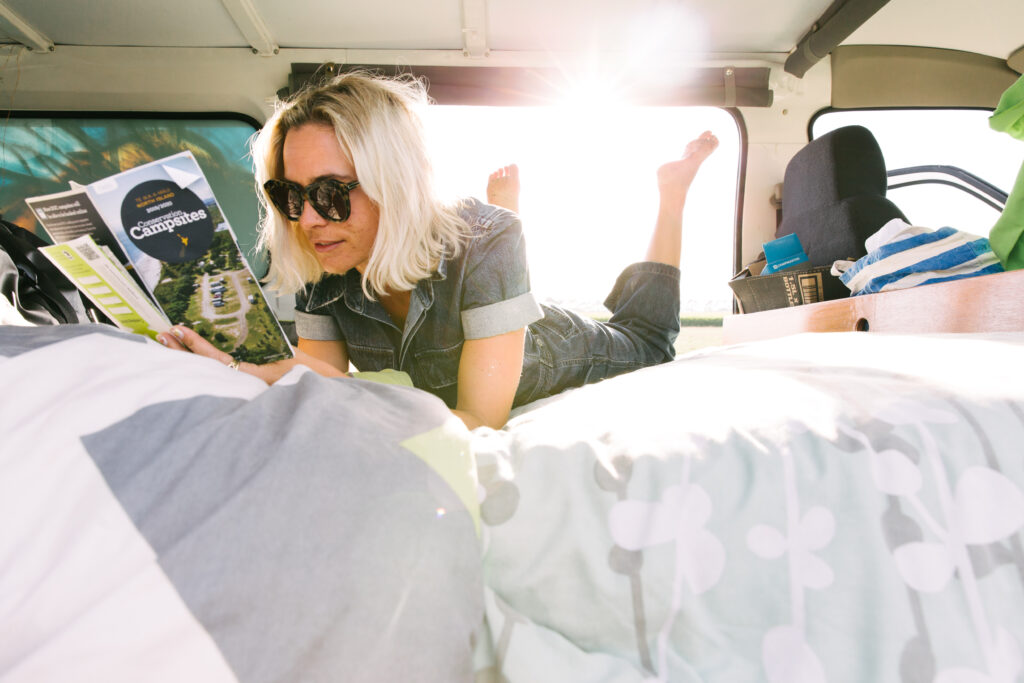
326, 246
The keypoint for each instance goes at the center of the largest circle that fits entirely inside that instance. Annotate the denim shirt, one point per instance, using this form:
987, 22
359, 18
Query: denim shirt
482, 292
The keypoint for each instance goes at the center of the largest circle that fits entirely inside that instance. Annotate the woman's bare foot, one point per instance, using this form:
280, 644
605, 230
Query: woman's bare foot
674, 178
503, 188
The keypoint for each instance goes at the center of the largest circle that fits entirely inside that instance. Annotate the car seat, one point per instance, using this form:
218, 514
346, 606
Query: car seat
833, 195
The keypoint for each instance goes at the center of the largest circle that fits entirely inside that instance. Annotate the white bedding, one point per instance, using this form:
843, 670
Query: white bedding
830, 507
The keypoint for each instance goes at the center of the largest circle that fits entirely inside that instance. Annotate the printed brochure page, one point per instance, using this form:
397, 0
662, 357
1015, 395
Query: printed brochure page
177, 241
107, 285
68, 215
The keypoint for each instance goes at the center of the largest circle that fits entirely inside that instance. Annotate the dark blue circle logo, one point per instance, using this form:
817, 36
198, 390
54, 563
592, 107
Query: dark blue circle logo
168, 222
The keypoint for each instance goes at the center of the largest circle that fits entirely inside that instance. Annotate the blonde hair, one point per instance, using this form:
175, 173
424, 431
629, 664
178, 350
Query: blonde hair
377, 125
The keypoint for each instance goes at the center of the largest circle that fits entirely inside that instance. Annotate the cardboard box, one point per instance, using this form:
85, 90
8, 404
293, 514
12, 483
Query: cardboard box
755, 292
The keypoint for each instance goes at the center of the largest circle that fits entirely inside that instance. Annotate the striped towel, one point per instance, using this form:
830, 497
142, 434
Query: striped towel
908, 256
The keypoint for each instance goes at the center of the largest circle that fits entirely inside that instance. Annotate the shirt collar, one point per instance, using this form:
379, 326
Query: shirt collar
332, 287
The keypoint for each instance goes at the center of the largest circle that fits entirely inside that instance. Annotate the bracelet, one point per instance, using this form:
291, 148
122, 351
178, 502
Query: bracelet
234, 364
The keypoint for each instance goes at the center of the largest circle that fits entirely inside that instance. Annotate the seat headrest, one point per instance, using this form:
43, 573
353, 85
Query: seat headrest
844, 163
833, 195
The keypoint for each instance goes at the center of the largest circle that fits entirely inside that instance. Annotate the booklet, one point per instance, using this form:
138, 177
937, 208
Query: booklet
107, 284
160, 226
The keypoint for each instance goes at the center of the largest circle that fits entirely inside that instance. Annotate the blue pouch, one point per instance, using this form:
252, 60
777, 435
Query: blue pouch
783, 253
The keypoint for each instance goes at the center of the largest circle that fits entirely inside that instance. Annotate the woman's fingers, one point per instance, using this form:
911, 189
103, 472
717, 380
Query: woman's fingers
187, 339
170, 341
184, 339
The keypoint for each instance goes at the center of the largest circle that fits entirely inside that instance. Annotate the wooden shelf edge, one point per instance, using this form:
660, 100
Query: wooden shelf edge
988, 303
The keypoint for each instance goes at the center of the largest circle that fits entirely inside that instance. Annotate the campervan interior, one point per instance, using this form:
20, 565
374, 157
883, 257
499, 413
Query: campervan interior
813, 490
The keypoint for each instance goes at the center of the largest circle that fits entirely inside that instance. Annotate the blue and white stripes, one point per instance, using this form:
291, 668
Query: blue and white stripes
917, 257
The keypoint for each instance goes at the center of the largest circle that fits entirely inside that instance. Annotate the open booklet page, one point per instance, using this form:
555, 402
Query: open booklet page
105, 282
68, 215
165, 219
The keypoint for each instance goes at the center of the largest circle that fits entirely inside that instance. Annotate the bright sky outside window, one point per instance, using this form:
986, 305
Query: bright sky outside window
589, 192
955, 137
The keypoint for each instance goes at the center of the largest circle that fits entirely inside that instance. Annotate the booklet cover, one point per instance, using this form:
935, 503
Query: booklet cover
162, 221
68, 215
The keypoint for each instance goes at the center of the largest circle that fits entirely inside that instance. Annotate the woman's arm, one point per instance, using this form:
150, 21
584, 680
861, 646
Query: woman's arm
333, 352
186, 339
489, 372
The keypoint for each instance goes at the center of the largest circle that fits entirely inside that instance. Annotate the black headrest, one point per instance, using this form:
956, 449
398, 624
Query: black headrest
833, 195
844, 163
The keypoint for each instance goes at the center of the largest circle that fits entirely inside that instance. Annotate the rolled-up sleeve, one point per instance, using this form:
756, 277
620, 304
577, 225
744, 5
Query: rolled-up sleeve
316, 327
496, 294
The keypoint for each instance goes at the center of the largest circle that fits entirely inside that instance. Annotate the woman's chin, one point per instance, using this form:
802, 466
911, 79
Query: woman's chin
334, 262
335, 269
337, 266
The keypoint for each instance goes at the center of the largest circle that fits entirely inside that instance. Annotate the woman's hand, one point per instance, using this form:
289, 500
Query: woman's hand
185, 339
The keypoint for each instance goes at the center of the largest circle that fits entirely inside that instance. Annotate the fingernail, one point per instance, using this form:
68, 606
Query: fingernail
177, 333
160, 338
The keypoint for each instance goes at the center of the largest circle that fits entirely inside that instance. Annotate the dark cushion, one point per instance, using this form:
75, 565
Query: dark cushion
833, 195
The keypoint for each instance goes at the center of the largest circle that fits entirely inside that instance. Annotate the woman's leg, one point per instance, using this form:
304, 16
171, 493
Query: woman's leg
674, 180
566, 350
645, 300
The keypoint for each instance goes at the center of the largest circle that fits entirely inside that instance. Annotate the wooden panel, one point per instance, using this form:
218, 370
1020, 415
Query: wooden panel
990, 303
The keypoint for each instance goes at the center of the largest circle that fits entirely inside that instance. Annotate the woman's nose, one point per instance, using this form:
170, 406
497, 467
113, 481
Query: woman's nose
309, 216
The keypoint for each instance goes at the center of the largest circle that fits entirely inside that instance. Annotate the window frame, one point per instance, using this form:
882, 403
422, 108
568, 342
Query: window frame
256, 261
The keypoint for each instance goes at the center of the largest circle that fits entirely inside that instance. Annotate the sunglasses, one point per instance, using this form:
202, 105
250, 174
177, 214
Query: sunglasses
328, 197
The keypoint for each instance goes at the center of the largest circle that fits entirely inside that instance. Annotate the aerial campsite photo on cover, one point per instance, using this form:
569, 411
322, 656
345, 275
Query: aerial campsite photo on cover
168, 221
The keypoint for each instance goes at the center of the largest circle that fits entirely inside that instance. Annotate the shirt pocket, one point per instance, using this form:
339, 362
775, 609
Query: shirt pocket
437, 369
371, 358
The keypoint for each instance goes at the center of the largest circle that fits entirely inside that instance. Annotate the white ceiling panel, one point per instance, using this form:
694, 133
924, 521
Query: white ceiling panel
687, 27
184, 23
648, 28
377, 24
614, 26
977, 26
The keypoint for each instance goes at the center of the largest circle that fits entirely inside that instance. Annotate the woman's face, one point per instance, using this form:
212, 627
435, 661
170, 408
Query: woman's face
311, 152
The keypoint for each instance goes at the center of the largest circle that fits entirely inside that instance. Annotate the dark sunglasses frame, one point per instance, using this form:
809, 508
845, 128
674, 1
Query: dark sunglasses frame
338, 207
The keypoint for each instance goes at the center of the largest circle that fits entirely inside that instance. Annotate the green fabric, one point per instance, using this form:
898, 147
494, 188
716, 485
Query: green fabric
388, 376
1009, 115
1007, 235
447, 450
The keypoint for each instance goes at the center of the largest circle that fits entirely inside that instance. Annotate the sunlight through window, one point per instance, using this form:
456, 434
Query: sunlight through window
954, 137
589, 192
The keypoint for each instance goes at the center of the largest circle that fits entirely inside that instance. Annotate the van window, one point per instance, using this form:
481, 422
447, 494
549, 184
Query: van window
959, 138
41, 154
589, 193
588, 202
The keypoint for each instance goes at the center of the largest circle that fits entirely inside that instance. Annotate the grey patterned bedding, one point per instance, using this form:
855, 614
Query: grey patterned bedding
841, 507
166, 519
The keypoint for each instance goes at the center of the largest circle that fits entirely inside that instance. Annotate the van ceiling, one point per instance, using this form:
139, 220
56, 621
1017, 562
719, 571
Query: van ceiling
691, 27
988, 27
517, 25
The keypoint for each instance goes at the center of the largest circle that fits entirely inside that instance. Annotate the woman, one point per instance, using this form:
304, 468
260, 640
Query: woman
389, 276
